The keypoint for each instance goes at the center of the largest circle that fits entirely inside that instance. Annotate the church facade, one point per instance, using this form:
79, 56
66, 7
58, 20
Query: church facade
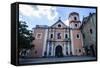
59, 39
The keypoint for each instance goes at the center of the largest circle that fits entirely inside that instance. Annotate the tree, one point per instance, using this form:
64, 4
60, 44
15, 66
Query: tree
24, 36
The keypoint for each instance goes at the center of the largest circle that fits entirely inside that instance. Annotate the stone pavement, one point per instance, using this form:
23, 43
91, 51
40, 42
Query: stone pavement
56, 59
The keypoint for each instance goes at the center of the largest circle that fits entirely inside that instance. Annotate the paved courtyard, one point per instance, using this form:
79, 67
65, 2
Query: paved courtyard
53, 59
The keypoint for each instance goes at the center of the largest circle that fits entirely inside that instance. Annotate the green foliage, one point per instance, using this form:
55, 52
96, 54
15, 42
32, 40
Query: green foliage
24, 36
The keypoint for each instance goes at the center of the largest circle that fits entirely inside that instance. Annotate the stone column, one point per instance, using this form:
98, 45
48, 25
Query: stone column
52, 49
68, 48
48, 49
45, 42
64, 49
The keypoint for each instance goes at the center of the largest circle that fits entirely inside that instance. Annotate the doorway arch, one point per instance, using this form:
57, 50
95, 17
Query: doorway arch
58, 51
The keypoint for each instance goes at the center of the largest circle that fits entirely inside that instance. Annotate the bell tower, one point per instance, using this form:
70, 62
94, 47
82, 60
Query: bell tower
74, 20
76, 36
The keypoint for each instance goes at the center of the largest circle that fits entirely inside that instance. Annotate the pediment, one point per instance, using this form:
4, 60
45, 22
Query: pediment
59, 24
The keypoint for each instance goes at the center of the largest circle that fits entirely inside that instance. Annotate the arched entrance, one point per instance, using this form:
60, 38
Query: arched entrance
58, 51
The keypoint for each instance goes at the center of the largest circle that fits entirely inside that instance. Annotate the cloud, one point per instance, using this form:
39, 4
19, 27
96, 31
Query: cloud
39, 11
28, 10
66, 22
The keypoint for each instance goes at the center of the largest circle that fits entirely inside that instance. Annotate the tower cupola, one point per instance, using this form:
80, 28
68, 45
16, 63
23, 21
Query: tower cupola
74, 20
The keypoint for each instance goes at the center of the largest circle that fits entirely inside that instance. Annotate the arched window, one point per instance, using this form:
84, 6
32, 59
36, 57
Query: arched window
75, 18
78, 36
59, 25
66, 36
39, 35
91, 31
79, 50
51, 36
75, 25
59, 36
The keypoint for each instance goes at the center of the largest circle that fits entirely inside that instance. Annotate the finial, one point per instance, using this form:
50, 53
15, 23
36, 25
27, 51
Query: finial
59, 18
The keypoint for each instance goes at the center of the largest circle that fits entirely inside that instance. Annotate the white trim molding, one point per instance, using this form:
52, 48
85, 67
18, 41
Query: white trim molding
72, 42
45, 41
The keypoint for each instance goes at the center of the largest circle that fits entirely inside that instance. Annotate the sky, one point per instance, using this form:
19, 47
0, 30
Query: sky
47, 15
